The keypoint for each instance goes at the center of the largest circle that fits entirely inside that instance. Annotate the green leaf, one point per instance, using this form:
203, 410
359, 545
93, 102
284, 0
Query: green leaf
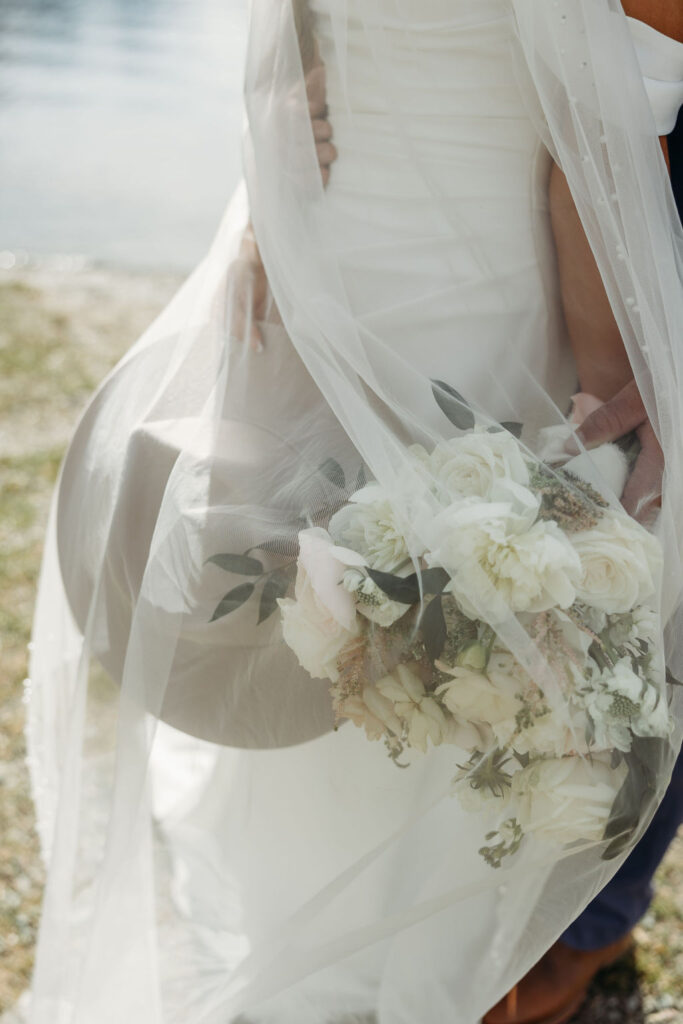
235, 598
645, 761
671, 679
406, 589
403, 589
334, 473
287, 546
433, 625
453, 405
276, 586
513, 428
433, 580
244, 565
361, 478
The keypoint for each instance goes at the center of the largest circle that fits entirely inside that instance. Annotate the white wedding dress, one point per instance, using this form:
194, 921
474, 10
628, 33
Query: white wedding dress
306, 878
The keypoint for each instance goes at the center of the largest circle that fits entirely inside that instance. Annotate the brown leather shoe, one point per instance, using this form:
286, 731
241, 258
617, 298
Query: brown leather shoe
556, 986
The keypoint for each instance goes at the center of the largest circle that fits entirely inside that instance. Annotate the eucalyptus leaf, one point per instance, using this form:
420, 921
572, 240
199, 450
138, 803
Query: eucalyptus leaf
433, 625
433, 580
234, 599
334, 473
243, 565
361, 478
453, 405
403, 589
644, 760
513, 427
406, 589
287, 546
276, 586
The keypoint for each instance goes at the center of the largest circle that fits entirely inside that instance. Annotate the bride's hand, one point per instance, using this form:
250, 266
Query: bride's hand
623, 413
316, 92
248, 291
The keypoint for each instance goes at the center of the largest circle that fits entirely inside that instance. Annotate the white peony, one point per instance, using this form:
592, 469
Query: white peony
566, 799
469, 465
423, 717
322, 618
501, 559
620, 562
371, 600
370, 526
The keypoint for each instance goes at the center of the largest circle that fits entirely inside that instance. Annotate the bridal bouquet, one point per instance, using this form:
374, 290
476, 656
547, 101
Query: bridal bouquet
419, 608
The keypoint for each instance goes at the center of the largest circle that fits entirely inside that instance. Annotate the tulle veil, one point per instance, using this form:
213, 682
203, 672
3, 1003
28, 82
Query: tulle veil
218, 847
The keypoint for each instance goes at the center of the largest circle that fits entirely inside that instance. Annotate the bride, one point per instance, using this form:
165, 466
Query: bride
348, 684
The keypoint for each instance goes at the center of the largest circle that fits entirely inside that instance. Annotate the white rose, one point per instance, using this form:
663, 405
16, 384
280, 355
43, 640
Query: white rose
370, 526
371, 600
605, 468
488, 698
566, 799
314, 635
322, 619
470, 464
620, 562
423, 717
373, 712
558, 732
501, 560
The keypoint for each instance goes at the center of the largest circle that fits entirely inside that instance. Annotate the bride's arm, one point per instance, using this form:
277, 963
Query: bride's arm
601, 359
248, 284
602, 363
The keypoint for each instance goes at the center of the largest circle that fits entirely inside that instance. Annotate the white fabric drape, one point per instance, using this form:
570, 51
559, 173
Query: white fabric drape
216, 850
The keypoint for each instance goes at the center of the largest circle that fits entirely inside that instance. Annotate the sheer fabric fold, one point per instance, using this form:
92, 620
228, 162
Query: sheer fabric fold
348, 691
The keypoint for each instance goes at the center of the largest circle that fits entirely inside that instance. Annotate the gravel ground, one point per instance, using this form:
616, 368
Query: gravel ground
59, 334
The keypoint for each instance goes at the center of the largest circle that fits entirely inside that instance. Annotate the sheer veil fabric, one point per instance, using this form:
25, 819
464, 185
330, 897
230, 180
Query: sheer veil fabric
220, 848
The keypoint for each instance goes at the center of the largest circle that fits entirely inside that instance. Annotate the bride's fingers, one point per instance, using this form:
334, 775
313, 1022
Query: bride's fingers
614, 419
327, 153
644, 487
316, 91
244, 304
322, 130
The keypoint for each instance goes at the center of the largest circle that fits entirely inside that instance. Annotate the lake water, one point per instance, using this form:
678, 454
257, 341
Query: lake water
120, 125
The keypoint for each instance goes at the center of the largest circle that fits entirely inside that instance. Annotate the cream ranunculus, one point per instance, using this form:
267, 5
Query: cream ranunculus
501, 559
423, 717
620, 562
567, 799
469, 465
322, 618
373, 712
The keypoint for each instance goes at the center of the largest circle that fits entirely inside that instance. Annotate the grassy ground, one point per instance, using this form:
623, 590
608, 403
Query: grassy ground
58, 337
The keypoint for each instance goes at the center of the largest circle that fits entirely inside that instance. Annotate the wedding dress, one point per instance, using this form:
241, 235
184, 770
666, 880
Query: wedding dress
218, 847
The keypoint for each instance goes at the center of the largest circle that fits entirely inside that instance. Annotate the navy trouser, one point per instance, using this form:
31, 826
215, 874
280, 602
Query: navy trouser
627, 896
